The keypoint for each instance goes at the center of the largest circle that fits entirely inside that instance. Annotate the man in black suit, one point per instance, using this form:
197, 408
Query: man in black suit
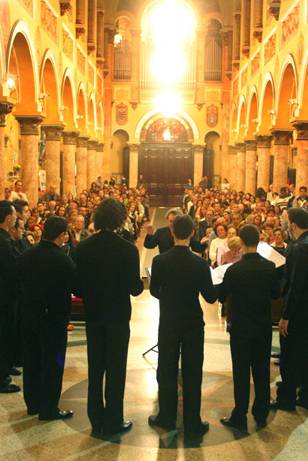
163, 237
249, 285
108, 273
294, 323
178, 276
47, 276
8, 296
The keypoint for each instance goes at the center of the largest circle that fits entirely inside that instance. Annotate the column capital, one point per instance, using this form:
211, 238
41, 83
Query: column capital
29, 124
92, 144
251, 144
264, 141
240, 147
232, 150
301, 127
70, 137
281, 137
100, 147
82, 141
53, 131
198, 148
5, 109
133, 147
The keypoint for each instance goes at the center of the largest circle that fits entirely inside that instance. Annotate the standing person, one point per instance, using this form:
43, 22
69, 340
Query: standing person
47, 277
18, 194
249, 285
8, 290
294, 323
178, 277
108, 273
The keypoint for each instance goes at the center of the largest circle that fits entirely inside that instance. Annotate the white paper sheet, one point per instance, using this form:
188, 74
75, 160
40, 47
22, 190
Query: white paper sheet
268, 252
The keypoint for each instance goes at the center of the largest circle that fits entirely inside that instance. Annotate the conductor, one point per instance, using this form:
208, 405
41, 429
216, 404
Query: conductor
178, 276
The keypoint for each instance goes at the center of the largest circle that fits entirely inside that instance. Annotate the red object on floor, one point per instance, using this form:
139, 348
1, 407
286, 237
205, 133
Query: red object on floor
70, 327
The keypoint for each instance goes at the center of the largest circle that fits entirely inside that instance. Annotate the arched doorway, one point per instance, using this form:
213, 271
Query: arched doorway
212, 142
166, 159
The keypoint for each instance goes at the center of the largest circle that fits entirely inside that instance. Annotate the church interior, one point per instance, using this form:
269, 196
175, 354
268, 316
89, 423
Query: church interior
162, 93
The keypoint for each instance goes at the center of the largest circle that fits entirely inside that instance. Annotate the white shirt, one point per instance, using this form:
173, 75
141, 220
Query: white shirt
18, 196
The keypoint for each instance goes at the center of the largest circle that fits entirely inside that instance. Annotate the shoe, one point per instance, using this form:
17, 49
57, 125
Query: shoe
301, 403
276, 405
261, 423
7, 380
97, 432
125, 427
59, 414
155, 421
203, 429
32, 412
7, 388
275, 356
228, 422
15, 372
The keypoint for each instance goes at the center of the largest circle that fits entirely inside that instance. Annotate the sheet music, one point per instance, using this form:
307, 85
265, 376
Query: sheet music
268, 252
219, 273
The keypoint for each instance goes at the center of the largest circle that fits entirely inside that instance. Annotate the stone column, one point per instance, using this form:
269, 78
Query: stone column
198, 164
81, 15
69, 162
29, 147
92, 25
240, 165
99, 158
53, 135
246, 17
264, 159
251, 167
133, 165
100, 35
91, 170
281, 158
81, 164
5, 108
258, 19
302, 153
236, 38
232, 167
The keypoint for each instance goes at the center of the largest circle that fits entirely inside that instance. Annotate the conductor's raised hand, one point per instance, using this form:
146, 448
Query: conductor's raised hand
150, 229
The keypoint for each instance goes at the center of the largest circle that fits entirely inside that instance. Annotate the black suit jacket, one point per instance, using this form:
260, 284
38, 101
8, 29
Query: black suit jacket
108, 271
8, 271
48, 280
178, 277
164, 240
250, 285
296, 303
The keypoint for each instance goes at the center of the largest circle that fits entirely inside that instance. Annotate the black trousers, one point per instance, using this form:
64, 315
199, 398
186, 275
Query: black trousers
191, 345
107, 360
294, 366
44, 347
7, 328
251, 353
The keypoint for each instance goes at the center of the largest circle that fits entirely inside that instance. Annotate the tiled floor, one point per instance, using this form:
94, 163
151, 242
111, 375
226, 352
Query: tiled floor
25, 438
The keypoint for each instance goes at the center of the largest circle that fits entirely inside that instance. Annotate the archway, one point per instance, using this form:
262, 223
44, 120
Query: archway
68, 104
267, 109
166, 158
81, 112
252, 117
120, 153
49, 92
212, 157
287, 102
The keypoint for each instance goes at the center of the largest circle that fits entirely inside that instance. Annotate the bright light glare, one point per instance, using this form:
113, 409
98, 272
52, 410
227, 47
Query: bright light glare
170, 26
168, 103
11, 84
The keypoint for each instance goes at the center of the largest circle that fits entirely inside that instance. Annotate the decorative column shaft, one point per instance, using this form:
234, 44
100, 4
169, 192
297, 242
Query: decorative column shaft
91, 170
69, 161
281, 158
100, 35
232, 177
236, 38
53, 135
81, 15
133, 165
240, 164
92, 25
264, 144
29, 147
99, 159
302, 153
251, 167
81, 164
258, 19
246, 16
5, 109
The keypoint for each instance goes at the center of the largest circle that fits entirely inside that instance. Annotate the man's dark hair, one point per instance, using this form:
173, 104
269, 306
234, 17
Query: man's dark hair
303, 188
250, 235
19, 205
5, 209
299, 216
53, 227
110, 214
183, 227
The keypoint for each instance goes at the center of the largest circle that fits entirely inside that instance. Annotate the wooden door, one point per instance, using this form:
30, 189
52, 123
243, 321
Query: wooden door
165, 169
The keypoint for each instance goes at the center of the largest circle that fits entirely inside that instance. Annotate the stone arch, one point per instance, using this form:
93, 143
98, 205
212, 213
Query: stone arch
22, 63
287, 91
100, 120
49, 89
68, 108
266, 106
181, 116
241, 122
303, 91
81, 110
252, 121
92, 116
